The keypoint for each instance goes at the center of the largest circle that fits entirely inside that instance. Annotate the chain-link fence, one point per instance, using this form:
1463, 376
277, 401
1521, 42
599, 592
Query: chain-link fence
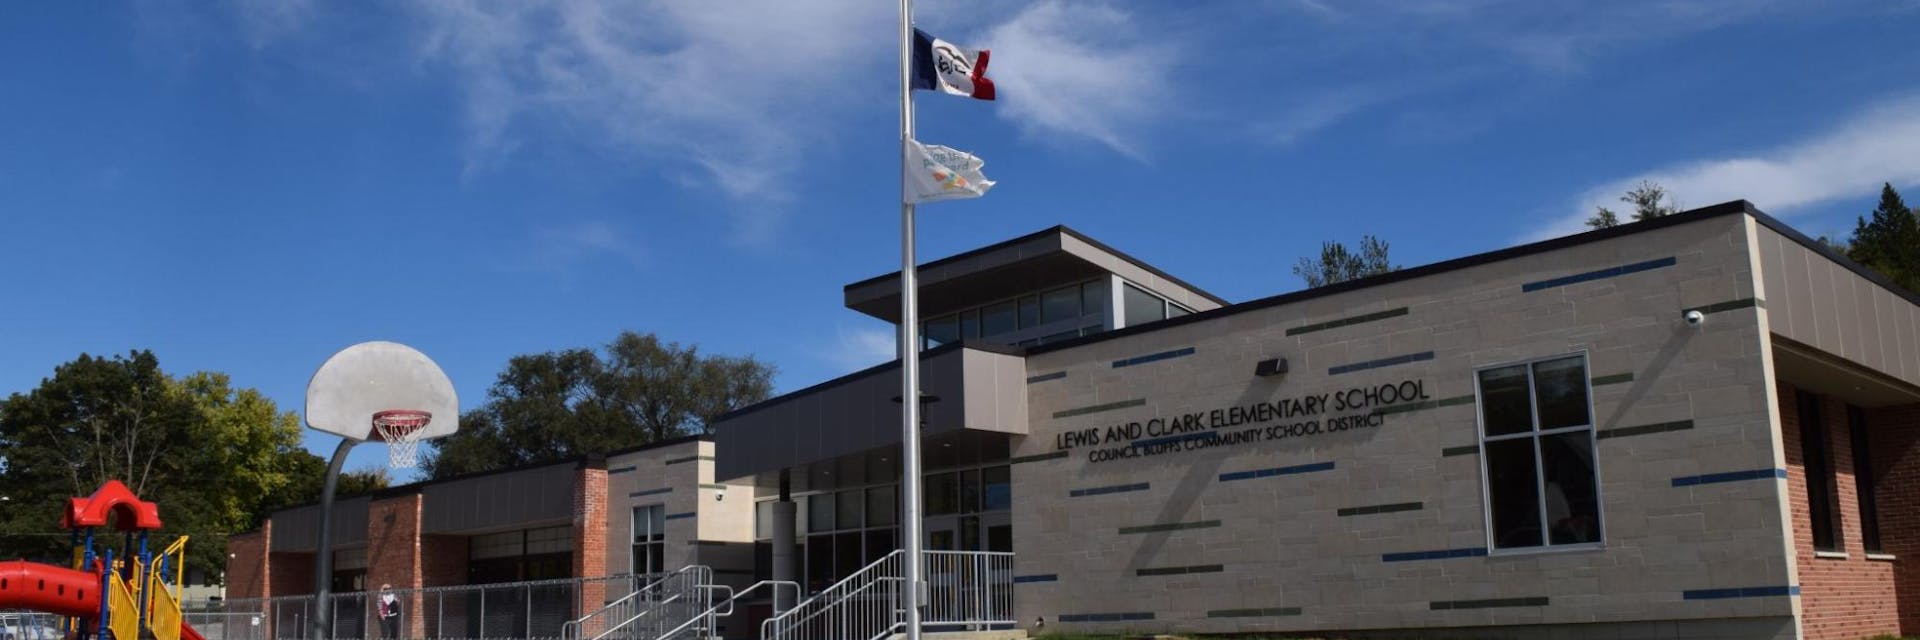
29, 625
520, 610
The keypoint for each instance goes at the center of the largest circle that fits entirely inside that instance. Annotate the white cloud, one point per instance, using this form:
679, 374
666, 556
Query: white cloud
1850, 160
727, 95
857, 349
1081, 70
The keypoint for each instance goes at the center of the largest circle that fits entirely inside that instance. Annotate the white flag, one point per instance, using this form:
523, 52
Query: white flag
936, 173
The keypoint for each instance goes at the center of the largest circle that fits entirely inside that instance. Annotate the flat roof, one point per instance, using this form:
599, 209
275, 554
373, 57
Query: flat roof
1050, 257
1554, 244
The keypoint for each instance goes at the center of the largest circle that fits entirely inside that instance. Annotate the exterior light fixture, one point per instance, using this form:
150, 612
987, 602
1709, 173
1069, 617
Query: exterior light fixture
1270, 368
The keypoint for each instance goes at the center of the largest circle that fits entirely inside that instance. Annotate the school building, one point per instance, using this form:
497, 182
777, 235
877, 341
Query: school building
1698, 426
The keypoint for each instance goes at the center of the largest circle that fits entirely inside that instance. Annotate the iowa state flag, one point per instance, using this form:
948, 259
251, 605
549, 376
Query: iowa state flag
938, 64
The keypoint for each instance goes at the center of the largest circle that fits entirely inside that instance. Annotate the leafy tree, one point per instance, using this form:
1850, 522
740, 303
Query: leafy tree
1649, 201
1602, 218
559, 404
1889, 241
1339, 264
210, 455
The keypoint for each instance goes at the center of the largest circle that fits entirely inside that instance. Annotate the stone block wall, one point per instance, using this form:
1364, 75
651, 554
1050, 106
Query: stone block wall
1384, 526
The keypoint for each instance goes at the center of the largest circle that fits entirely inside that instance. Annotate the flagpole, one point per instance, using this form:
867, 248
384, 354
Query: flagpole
909, 343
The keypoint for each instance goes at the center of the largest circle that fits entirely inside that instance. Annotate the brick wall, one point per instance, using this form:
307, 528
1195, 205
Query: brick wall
393, 551
1895, 439
590, 531
290, 573
1841, 598
443, 560
246, 574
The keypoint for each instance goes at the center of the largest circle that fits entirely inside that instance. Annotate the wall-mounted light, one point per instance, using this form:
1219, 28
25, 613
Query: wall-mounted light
1270, 368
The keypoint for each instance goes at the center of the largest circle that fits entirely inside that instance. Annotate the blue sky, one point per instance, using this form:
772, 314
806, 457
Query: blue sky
247, 186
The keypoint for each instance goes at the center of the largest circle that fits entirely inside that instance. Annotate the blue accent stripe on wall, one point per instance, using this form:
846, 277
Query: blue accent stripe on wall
1276, 471
1046, 376
1106, 617
1743, 592
650, 492
1096, 491
1383, 362
619, 470
1730, 476
1440, 554
1153, 357
1598, 275
1036, 578
676, 516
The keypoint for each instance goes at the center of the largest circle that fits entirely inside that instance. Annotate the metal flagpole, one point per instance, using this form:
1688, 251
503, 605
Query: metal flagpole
909, 343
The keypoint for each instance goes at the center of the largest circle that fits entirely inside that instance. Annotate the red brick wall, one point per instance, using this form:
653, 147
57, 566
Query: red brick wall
290, 573
1841, 599
1895, 440
443, 561
246, 575
393, 551
590, 532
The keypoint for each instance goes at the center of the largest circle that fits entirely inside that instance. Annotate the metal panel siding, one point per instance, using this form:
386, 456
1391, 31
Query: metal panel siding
1845, 311
1773, 274
299, 529
860, 414
501, 500
1814, 300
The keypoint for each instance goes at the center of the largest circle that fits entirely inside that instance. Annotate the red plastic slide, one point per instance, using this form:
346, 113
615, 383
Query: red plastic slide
187, 633
44, 587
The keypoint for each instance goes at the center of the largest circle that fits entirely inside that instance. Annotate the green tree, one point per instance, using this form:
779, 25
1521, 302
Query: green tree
1649, 200
210, 455
1339, 264
1889, 241
559, 404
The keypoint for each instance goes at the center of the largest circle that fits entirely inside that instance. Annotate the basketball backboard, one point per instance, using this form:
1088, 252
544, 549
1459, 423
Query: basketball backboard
375, 377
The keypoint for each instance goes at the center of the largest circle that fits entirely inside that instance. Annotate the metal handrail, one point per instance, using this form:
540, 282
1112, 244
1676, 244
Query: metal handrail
713, 611
699, 575
974, 590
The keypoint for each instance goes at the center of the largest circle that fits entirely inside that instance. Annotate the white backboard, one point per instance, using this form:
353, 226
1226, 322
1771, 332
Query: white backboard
379, 376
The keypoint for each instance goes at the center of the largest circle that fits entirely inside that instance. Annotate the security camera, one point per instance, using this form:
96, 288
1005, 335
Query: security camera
1695, 318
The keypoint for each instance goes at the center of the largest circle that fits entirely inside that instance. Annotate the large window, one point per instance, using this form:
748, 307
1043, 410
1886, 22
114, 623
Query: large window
649, 539
529, 554
1816, 458
1056, 314
1863, 480
1537, 454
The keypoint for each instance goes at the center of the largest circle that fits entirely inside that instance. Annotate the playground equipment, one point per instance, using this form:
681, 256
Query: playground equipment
106, 594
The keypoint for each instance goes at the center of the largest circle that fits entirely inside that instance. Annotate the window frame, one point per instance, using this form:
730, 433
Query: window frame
1865, 485
1824, 517
635, 545
1539, 466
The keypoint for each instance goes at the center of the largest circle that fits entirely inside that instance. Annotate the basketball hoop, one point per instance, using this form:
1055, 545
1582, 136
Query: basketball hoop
401, 430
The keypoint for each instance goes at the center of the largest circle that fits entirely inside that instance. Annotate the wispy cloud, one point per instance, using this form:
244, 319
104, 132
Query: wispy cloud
725, 95
558, 250
1849, 160
263, 21
1081, 71
858, 348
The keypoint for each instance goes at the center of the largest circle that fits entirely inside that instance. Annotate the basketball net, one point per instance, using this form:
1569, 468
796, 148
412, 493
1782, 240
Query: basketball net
401, 430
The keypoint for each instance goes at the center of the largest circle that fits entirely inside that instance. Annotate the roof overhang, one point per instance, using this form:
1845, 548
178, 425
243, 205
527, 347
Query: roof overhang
1053, 257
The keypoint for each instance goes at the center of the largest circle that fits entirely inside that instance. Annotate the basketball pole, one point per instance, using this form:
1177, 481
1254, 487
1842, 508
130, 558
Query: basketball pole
909, 342
322, 618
